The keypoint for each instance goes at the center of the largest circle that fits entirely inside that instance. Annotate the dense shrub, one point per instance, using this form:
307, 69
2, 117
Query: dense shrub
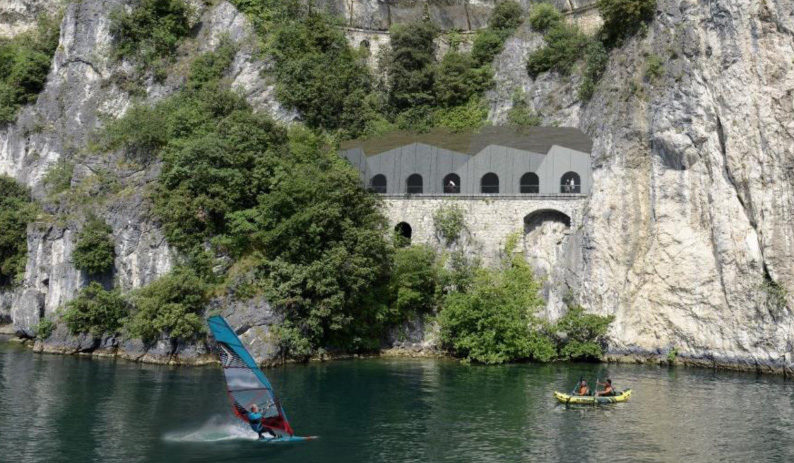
58, 177
654, 67
563, 48
321, 76
16, 211
624, 17
95, 311
414, 281
150, 31
24, 64
411, 68
172, 305
584, 334
597, 59
520, 116
455, 80
495, 320
45, 328
449, 221
504, 20
324, 256
544, 16
95, 251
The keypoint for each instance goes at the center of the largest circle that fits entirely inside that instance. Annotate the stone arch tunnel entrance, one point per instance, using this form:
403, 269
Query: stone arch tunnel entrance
545, 231
403, 231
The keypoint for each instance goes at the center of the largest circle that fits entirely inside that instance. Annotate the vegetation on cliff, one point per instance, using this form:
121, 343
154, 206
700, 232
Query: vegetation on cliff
493, 318
96, 311
24, 64
564, 42
94, 252
149, 33
16, 212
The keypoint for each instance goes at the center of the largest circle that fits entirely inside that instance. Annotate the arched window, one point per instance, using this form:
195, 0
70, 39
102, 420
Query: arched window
452, 184
489, 183
378, 184
414, 184
570, 183
402, 233
530, 183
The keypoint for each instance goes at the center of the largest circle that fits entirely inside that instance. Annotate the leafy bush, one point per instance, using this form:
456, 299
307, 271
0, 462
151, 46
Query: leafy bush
324, 256
449, 221
563, 48
597, 59
672, 354
413, 283
585, 333
411, 70
16, 211
494, 321
320, 75
455, 82
463, 118
506, 17
624, 17
520, 115
45, 328
151, 31
95, 251
488, 43
171, 305
544, 16
58, 177
95, 311
654, 67
24, 64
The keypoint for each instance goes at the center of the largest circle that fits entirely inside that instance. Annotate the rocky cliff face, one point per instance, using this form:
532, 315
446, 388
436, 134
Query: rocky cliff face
17, 16
688, 237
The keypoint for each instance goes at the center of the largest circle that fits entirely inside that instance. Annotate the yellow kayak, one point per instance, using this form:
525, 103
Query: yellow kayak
590, 400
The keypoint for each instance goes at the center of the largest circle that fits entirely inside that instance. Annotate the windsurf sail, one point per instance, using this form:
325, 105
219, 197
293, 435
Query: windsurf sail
246, 385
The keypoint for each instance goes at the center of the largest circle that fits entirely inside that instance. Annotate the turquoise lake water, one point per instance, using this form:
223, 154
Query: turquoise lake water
60, 408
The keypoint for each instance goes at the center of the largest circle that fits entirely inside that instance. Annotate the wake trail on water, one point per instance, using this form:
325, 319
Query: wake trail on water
216, 429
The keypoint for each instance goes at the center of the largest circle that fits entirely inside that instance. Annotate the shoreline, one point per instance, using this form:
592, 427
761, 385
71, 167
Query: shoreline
636, 358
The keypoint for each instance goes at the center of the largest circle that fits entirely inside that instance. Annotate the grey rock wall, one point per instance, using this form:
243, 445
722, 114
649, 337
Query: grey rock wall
692, 206
18, 16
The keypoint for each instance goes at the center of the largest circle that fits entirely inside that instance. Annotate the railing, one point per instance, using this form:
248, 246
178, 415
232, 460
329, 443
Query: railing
496, 196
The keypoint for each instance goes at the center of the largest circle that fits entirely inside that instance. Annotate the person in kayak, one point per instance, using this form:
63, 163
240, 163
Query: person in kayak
581, 388
255, 421
608, 389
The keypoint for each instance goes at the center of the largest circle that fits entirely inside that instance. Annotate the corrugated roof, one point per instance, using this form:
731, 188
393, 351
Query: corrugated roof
533, 139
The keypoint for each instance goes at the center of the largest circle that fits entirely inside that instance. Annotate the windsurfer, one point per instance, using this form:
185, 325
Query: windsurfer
255, 420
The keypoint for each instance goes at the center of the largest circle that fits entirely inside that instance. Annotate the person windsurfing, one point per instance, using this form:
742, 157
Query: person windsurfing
255, 420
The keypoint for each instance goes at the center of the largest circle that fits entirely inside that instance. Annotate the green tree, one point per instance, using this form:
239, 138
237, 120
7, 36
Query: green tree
16, 212
172, 305
325, 259
95, 310
544, 16
411, 68
495, 320
624, 17
563, 48
95, 251
320, 75
506, 17
584, 334
414, 281
24, 64
150, 31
